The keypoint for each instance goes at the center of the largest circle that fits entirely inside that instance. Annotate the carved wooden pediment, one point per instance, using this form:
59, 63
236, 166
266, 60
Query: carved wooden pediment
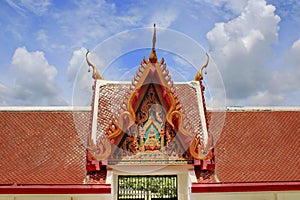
151, 124
150, 117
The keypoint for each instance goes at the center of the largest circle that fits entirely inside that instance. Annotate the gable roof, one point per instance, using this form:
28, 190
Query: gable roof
110, 98
44, 146
109, 128
108, 104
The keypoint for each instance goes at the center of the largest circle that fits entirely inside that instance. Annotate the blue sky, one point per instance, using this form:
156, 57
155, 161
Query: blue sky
254, 47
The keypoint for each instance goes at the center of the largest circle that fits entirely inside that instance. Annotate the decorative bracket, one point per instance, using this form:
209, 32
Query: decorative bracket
99, 151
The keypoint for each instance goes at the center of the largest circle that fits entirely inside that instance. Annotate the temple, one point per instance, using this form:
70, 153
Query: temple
150, 121
149, 138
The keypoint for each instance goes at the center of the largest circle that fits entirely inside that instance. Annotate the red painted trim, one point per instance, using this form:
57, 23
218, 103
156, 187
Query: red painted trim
55, 189
244, 187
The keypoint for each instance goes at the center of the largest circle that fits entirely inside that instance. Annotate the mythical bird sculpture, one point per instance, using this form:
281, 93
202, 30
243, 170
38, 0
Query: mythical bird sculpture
199, 74
95, 74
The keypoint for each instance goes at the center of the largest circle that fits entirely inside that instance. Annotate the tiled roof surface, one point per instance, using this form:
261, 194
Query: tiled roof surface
111, 96
259, 146
39, 147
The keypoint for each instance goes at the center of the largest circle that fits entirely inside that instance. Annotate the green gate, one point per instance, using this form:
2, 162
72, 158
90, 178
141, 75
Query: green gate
147, 187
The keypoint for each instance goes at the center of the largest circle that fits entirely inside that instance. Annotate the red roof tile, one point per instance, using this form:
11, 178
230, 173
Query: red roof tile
42, 147
259, 146
111, 96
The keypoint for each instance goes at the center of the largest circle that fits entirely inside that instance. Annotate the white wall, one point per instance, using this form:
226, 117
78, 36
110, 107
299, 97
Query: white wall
288, 195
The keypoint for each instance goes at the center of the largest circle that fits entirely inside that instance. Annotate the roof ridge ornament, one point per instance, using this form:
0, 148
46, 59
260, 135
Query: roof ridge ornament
95, 74
153, 57
199, 75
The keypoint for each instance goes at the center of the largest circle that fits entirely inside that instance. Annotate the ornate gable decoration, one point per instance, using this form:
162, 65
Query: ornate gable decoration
153, 76
150, 112
151, 124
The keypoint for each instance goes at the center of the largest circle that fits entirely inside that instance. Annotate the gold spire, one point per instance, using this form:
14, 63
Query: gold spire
199, 73
95, 74
153, 57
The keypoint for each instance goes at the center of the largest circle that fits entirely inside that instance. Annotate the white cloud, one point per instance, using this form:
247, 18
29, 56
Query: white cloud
242, 45
34, 80
81, 80
37, 7
285, 80
242, 48
165, 18
253, 37
33, 64
263, 98
296, 46
288, 9
91, 21
42, 36
75, 63
235, 6
96, 20
4, 95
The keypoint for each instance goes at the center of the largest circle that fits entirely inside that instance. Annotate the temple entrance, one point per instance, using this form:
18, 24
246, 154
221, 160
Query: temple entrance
147, 187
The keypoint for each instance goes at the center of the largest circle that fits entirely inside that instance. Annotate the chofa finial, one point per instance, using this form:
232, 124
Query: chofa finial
95, 74
153, 57
154, 37
199, 74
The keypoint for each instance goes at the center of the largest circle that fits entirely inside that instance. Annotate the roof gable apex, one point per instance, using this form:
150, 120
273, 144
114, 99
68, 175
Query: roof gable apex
124, 121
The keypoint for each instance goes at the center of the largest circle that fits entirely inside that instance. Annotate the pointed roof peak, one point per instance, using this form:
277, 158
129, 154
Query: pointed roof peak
153, 57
